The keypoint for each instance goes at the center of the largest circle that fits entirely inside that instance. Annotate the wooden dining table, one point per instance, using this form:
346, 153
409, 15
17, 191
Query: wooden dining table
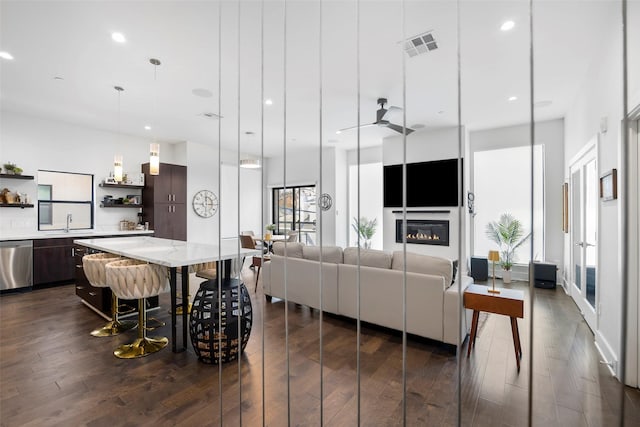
174, 254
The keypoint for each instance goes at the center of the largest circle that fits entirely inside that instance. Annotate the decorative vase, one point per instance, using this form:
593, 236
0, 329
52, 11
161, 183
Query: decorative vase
506, 276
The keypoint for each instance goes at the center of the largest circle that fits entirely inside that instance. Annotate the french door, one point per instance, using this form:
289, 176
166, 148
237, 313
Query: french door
584, 234
294, 209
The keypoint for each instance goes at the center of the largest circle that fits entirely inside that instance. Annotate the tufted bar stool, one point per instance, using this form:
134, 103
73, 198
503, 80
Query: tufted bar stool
133, 279
94, 268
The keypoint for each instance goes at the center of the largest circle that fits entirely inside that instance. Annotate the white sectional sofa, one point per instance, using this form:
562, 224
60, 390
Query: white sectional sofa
432, 301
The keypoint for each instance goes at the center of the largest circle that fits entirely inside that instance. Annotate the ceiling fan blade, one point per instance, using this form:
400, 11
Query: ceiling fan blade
390, 112
399, 128
356, 127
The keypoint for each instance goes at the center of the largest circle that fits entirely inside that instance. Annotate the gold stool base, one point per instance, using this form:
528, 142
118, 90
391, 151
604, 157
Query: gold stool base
141, 347
179, 310
114, 327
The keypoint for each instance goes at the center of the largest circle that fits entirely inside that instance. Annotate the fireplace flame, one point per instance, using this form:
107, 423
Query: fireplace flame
422, 236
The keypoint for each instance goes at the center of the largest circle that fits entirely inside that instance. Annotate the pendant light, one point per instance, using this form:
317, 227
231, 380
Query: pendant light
117, 160
154, 148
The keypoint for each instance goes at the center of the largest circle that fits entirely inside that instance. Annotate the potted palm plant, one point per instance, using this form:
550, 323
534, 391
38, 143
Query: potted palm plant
365, 229
508, 234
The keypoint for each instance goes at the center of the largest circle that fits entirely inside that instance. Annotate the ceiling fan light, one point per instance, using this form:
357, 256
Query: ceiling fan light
250, 163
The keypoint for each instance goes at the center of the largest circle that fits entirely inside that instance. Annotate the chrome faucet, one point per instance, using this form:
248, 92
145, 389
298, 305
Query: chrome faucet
69, 221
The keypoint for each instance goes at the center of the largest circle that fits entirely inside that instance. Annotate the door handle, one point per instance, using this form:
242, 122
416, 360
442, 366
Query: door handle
581, 244
589, 244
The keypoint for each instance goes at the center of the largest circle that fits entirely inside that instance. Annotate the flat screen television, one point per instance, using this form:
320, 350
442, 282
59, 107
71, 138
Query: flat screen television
429, 184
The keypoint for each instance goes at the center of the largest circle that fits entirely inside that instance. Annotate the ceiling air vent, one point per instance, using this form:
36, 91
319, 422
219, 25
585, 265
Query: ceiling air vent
422, 43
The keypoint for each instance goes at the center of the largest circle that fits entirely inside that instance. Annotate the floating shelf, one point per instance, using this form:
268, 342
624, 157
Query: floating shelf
133, 187
13, 176
16, 205
127, 205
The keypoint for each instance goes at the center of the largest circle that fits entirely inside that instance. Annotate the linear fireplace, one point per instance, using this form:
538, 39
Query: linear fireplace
424, 232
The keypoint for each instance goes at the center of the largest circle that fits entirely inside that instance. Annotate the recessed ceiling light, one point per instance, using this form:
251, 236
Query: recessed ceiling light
338, 132
6, 55
249, 133
147, 127
268, 101
118, 37
58, 78
507, 25
513, 98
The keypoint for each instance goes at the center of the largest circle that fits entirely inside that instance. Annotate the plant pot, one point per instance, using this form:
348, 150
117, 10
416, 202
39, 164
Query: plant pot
506, 276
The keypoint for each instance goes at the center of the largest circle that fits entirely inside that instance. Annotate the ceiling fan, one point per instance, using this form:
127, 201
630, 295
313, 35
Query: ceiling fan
382, 119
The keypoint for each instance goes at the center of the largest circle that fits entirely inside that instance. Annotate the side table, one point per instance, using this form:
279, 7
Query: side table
509, 302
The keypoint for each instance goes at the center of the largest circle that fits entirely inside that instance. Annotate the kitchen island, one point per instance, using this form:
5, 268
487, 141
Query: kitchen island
174, 254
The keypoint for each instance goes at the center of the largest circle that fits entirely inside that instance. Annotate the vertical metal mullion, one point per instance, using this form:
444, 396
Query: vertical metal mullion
319, 218
284, 183
219, 263
460, 313
358, 322
404, 239
531, 254
240, 305
626, 210
262, 196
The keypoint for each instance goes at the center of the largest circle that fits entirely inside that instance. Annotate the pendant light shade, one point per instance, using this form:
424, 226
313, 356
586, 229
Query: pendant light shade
154, 158
117, 160
117, 167
154, 149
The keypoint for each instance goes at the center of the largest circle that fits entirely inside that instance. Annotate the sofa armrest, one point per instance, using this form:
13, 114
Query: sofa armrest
454, 332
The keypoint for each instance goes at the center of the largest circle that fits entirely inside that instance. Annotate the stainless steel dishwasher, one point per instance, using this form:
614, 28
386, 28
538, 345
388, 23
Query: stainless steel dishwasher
16, 264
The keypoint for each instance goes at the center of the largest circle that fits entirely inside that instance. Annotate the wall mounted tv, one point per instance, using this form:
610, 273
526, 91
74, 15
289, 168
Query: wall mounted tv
429, 184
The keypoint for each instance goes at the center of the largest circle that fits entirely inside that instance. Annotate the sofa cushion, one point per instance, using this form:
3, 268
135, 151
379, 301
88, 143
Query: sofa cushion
368, 257
424, 264
331, 254
294, 249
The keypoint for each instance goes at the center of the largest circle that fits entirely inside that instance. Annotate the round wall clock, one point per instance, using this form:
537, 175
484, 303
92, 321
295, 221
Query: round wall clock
205, 203
325, 201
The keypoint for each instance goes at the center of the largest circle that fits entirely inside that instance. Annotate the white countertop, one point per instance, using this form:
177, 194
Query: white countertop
34, 235
170, 253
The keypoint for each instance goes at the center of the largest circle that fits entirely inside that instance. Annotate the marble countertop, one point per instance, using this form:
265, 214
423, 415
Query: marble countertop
34, 235
170, 253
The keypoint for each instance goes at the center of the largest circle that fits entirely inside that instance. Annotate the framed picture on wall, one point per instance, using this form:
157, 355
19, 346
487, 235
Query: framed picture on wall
609, 185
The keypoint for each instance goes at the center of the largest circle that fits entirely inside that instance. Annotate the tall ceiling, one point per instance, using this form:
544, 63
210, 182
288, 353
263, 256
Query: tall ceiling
66, 64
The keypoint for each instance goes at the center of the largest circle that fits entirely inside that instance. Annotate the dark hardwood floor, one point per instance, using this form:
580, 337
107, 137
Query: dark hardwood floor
53, 373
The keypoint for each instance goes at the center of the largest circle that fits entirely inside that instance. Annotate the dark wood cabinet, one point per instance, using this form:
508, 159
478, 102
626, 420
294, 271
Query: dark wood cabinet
53, 261
164, 201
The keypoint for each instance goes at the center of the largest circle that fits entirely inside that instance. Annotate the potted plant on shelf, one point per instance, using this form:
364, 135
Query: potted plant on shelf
508, 234
10, 168
365, 229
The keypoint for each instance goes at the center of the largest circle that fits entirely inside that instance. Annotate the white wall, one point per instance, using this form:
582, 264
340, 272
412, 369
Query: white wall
551, 135
422, 146
34, 143
202, 174
600, 98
